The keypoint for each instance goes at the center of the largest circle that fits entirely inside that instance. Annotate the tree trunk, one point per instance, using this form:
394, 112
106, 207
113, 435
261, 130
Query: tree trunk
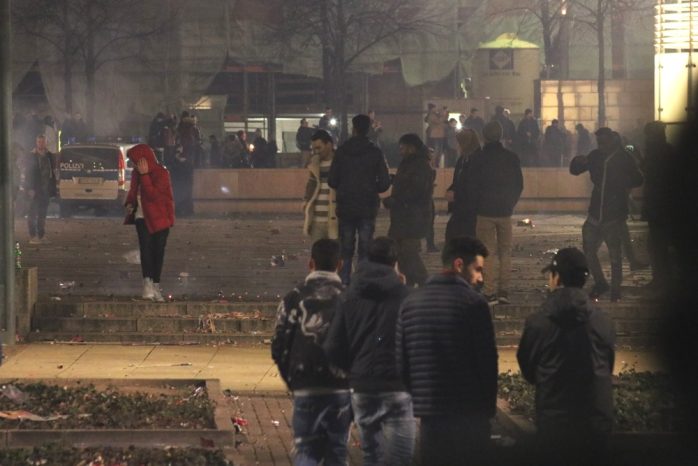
601, 83
548, 52
618, 67
327, 67
341, 67
67, 62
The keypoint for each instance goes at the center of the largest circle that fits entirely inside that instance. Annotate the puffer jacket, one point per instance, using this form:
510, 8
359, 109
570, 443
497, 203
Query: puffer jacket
446, 351
567, 351
361, 340
303, 319
359, 173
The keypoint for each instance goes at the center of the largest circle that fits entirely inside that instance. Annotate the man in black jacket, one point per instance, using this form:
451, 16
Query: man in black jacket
497, 186
358, 174
321, 398
447, 355
567, 352
361, 341
614, 173
39, 183
410, 205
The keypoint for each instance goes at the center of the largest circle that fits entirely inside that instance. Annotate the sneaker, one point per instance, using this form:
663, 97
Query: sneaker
157, 293
598, 290
148, 289
503, 298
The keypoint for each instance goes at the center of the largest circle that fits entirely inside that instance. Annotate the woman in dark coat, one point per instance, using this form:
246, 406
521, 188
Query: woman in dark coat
460, 205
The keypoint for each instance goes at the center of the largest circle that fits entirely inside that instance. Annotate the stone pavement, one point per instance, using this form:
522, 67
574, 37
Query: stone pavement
231, 257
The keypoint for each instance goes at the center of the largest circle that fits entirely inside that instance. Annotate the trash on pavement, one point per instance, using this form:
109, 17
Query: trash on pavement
527, 222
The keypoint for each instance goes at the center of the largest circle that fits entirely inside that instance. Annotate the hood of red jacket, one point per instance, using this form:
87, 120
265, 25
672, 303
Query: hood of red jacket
143, 151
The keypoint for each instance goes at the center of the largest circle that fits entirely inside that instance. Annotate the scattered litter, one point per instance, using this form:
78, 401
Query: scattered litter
66, 285
13, 393
56, 298
206, 324
60, 366
266, 341
239, 423
552, 252
133, 257
77, 339
278, 261
27, 416
275, 231
276, 423
183, 278
527, 222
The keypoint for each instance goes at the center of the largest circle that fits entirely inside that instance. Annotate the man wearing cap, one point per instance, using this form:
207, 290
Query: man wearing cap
613, 172
497, 186
567, 352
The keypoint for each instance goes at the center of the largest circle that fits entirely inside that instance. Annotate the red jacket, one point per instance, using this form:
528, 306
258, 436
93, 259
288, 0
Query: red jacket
155, 189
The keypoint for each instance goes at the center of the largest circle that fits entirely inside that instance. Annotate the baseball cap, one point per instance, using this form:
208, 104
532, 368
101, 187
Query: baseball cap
567, 260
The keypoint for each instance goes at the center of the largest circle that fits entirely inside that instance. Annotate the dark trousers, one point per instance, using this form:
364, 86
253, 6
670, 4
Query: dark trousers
152, 250
564, 445
431, 237
611, 233
461, 224
627, 243
321, 429
410, 262
454, 440
36, 216
348, 229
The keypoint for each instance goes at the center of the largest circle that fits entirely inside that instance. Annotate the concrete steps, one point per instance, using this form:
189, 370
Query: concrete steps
133, 322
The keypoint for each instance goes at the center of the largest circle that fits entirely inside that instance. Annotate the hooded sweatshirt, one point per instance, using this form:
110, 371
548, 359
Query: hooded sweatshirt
361, 339
567, 351
359, 173
156, 200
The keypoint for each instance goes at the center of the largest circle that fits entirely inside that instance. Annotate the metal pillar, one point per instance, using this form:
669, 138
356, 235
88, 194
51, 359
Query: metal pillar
7, 265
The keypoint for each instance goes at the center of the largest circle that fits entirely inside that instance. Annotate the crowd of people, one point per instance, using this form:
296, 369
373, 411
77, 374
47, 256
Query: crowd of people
385, 343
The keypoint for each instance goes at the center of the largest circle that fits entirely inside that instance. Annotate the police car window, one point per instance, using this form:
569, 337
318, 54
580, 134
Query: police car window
89, 159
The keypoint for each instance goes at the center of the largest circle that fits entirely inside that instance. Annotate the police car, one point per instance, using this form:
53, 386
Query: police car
93, 175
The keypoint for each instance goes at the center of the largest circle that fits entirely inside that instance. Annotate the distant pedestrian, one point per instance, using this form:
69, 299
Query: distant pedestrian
567, 352
410, 205
150, 206
359, 173
497, 184
583, 140
321, 398
361, 342
436, 122
554, 145
460, 195
474, 122
528, 135
215, 159
304, 140
503, 117
330, 124
50, 130
447, 355
156, 135
260, 153
451, 149
613, 172
39, 183
374, 133
320, 203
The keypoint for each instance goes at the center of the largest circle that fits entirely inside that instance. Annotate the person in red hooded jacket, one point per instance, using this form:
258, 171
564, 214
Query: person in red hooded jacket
150, 206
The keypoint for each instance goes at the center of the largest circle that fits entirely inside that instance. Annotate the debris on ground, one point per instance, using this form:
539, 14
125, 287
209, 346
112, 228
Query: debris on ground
527, 222
66, 285
133, 257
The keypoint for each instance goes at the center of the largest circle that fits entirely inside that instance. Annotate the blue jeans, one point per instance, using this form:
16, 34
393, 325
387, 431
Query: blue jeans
321, 429
387, 427
347, 239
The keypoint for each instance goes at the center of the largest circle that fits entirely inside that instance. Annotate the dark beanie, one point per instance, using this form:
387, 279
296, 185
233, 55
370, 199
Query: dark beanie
492, 132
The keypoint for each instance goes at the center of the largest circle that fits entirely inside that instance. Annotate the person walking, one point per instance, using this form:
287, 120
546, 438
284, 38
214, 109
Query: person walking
554, 144
613, 172
583, 139
150, 206
319, 203
497, 184
321, 398
410, 205
474, 122
358, 173
436, 122
459, 195
447, 356
39, 183
567, 352
361, 342
374, 133
503, 117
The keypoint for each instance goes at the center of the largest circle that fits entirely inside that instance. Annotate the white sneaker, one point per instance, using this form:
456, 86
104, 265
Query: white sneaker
157, 293
148, 289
